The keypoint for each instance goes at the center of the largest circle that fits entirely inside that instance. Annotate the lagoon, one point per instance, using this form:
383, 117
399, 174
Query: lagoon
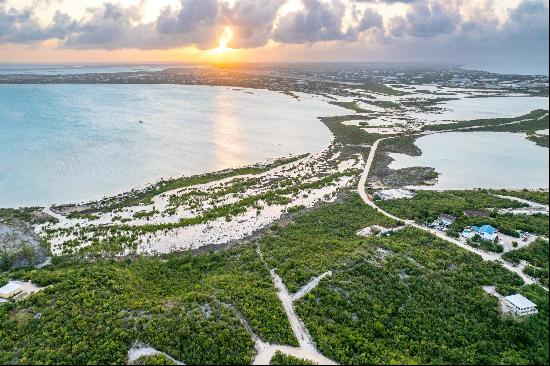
72, 143
469, 160
464, 109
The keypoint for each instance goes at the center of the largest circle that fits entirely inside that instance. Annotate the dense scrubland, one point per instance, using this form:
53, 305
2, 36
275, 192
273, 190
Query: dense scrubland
406, 298
426, 206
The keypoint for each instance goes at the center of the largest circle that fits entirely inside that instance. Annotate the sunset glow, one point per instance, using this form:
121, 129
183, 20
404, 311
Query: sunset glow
276, 31
225, 39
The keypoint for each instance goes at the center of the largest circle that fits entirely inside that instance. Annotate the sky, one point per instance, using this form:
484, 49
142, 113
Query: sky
189, 31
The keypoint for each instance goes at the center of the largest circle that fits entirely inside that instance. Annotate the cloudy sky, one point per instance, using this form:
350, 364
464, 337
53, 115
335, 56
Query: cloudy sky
458, 31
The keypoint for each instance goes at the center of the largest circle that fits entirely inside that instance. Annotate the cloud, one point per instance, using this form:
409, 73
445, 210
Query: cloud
318, 21
446, 27
252, 24
194, 14
387, 1
370, 19
426, 20
22, 26
529, 21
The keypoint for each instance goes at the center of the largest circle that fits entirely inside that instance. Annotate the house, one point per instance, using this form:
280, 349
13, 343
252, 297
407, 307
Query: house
443, 222
446, 220
473, 213
10, 290
486, 232
520, 305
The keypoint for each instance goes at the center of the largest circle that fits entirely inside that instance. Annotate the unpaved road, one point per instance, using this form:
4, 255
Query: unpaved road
485, 255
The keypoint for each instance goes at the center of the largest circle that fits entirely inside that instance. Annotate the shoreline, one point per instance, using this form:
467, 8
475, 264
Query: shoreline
148, 183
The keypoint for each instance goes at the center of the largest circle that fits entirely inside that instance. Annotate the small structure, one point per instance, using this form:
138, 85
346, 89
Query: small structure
443, 222
11, 289
520, 305
446, 220
473, 213
468, 233
486, 232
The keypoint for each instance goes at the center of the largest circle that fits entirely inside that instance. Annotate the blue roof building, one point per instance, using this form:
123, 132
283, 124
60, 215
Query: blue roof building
486, 231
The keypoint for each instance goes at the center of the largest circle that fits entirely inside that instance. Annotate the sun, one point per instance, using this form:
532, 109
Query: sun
225, 39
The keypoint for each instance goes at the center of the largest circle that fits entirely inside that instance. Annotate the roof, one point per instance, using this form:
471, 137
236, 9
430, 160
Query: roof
447, 217
9, 288
520, 301
473, 213
485, 229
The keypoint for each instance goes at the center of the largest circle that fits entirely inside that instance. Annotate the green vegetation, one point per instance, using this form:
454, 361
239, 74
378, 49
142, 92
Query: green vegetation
315, 242
529, 123
534, 196
153, 360
541, 140
144, 197
488, 245
116, 239
400, 177
536, 254
382, 89
386, 104
78, 215
280, 358
26, 214
25, 254
507, 224
408, 298
94, 311
345, 134
426, 206
145, 214
351, 106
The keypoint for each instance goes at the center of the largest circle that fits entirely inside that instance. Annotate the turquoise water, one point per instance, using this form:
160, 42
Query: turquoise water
36, 69
73, 143
480, 160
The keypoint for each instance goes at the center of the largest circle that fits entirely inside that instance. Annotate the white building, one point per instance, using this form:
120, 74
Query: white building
520, 305
11, 289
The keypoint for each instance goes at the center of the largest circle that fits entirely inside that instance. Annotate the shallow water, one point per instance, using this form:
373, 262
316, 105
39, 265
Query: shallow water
480, 160
72, 143
523, 68
34, 69
481, 108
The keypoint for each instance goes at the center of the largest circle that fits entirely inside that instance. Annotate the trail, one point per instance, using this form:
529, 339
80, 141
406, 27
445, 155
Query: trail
522, 200
310, 286
307, 350
140, 350
493, 257
298, 327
